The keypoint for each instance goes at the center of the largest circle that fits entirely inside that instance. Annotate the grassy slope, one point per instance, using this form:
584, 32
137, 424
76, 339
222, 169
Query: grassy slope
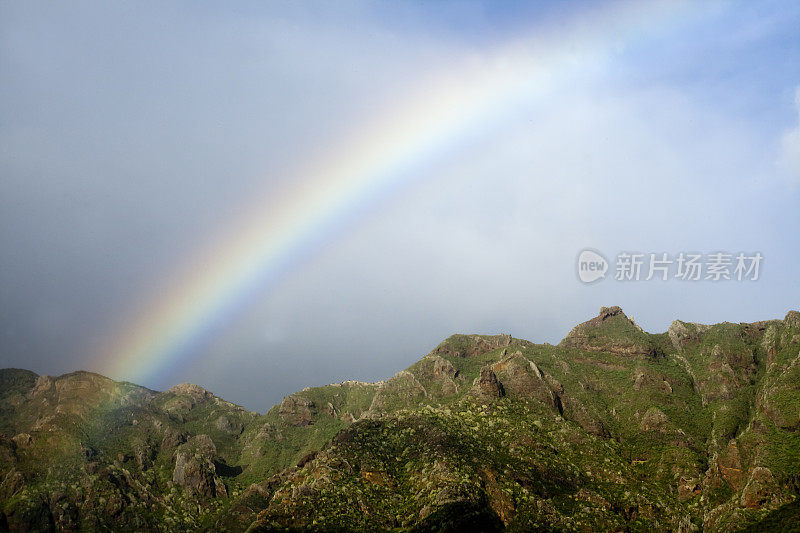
670, 416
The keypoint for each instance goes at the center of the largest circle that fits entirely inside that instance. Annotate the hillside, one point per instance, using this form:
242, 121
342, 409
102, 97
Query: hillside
694, 429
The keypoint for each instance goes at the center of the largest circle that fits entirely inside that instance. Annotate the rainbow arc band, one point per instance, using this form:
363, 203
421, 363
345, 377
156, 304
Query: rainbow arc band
370, 164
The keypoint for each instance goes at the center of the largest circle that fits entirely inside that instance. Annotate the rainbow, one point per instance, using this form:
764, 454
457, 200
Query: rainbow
366, 166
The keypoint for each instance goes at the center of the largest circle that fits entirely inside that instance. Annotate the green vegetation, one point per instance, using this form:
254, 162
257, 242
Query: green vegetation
615, 428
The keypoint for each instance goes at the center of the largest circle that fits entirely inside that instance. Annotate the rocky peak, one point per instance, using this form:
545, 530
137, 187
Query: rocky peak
195, 392
610, 331
472, 345
609, 313
79, 393
792, 319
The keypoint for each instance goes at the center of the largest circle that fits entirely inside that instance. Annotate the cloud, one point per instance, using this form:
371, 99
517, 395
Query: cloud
125, 148
487, 242
789, 159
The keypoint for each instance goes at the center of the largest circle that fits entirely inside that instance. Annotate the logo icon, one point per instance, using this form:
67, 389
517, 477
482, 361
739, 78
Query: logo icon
591, 266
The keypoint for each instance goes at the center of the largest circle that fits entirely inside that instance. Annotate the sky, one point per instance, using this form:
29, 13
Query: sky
259, 197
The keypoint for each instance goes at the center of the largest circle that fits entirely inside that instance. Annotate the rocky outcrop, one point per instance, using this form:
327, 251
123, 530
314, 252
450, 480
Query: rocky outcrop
13, 483
227, 425
760, 489
727, 371
443, 368
144, 455
402, 389
440, 377
195, 393
729, 466
297, 411
654, 420
23, 440
472, 345
681, 334
792, 319
195, 470
486, 387
610, 331
576, 411
43, 385
521, 377
78, 393
172, 439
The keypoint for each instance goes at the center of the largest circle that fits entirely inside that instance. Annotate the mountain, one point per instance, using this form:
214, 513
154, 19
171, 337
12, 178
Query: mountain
694, 429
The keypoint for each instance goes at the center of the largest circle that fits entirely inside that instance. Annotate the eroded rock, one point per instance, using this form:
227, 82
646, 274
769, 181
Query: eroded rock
486, 386
195, 469
297, 411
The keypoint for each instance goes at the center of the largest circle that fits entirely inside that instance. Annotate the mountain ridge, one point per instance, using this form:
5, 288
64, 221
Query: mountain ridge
699, 424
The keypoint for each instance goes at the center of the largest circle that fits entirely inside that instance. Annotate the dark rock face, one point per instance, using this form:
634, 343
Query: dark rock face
195, 469
487, 387
442, 367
